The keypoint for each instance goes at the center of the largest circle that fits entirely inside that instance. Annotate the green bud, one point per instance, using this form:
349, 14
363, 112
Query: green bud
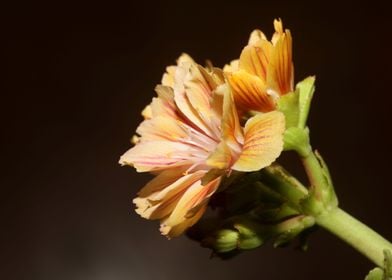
375, 274
224, 240
382, 274
250, 236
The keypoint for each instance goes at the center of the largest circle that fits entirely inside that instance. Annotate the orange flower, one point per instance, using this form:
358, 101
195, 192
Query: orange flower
264, 70
190, 139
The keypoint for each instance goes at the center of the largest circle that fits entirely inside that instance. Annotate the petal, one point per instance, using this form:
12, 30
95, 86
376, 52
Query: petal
180, 228
256, 36
280, 76
263, 141
232, 67
255, 58
161, 203
168, 78
221, 158
278, 26
164, 104
158, 155
147, 113
162, 128
250, 92
231, 128
161, 181
189, 208
192, 96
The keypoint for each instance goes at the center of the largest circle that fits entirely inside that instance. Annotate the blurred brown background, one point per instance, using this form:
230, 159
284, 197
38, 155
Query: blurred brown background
77, 77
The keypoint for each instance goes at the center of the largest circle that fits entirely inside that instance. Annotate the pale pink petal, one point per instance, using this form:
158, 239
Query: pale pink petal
162, 128
158, 155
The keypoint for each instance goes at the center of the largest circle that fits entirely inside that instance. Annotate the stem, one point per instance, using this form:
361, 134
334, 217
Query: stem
356, 234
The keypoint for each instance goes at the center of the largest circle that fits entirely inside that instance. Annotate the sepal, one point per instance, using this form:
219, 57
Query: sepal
295, 106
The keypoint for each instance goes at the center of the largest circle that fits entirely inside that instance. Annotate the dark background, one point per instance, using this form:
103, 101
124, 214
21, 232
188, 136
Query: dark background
77, 77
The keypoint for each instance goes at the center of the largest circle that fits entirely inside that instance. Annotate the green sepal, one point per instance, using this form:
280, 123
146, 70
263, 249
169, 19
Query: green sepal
249, 235
312, 204
291, 228
282, 182
297, 139
288, 104
295, 105
306, 90
328, 192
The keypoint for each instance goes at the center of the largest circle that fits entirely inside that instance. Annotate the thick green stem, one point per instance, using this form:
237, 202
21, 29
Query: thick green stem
356, 234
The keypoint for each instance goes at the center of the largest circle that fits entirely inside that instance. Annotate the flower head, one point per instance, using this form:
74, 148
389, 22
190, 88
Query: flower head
264, 70
190, 139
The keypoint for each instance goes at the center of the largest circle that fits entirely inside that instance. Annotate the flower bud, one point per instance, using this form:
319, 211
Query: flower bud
223, 240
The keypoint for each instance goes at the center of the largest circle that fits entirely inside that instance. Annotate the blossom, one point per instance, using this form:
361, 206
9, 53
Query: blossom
191, 138
264, 71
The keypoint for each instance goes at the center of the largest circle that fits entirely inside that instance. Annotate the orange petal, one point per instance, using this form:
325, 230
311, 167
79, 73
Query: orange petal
256, 36
263, 141
280, 76
162, 201
189, 208
232, 67
250, 92
231, 128
221, 158
255, 58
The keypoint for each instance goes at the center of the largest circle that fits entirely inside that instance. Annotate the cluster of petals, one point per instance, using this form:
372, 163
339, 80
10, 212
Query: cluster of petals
193, 136
264, 71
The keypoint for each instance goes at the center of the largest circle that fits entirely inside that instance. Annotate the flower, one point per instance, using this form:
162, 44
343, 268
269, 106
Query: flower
191, 138
264, 71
